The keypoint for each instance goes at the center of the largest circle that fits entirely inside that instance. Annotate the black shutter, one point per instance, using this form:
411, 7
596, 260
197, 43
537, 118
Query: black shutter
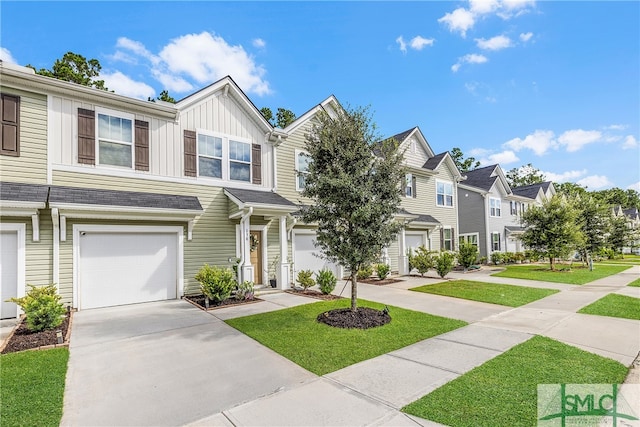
453, 240
256, 164
190, 153
86, 136
142, 145
413, 187
10, 113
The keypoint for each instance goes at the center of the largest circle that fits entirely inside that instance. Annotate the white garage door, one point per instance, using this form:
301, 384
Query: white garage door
8, 273
117, 268
304, 257
414, 241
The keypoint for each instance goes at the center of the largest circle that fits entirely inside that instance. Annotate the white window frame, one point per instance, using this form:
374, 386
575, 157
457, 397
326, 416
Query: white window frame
493, 242
132, 144
444, 199
466, 238
225, 160
408, 186
297, 168
230, 160
198, 155
445, 240
493, 210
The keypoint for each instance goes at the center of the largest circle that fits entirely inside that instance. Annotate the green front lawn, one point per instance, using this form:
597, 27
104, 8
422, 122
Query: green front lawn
32, 387
509, 295
628, 259
614, 305
295, 334
578, 275
503, 391
635, 283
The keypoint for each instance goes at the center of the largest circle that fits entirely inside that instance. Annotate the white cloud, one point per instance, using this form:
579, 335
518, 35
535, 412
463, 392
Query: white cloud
402, 44
471, 58
479, 152
503, 158
494, 43
460, 20
419, 42
564, 176
575, 139
482, 7
594, 182
615, 127
525, 37
172, 82
259, 43
136, 48
511, 8
635, 186
6, 56
629, 142
539, 142
126, 86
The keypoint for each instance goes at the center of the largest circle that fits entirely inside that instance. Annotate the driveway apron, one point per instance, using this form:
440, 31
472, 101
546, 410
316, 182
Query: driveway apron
165, 363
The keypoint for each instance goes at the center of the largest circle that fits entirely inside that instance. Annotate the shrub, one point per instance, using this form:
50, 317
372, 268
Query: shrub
326, 281
216, 283
483, 260
245, 291
497, 257
444, 263
508, 258
42, 307
423, 260
532, 255
518, 257
365, 272
305, 278
467, 255
383, 270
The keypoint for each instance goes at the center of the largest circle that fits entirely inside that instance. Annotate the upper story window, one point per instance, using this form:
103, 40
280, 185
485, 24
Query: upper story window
410, 186
10, 133
444, 193
302, 168
495, 207
210, 156
239, 161
115, 139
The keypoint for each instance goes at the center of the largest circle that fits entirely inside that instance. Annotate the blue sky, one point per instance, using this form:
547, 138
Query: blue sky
555, 84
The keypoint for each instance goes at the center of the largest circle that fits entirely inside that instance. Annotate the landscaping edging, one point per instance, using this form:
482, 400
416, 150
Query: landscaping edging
218, 307
65, 341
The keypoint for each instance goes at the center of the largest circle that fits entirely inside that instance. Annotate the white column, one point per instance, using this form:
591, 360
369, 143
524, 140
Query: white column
56, 246
245, 248
403, 259
284, 267
385, 255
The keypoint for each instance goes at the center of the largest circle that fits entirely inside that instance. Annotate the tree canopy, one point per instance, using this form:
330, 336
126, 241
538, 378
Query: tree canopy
354, 182
75, 68
464, 165
282, 119
524, 175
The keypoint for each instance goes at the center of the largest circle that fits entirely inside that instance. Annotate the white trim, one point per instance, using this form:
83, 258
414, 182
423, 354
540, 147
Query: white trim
444, 239
56, 245
495, 199
297, 152
74, 210
35, 226
50, 132
476, 234
20, 229
263, 229
79, 228
453, 194
121, 115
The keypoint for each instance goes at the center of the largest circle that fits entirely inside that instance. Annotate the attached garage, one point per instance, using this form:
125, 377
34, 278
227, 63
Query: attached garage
11, 267
306, 255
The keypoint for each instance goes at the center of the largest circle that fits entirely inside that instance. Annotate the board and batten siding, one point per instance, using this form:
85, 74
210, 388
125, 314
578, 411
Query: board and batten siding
213, 233
31, 165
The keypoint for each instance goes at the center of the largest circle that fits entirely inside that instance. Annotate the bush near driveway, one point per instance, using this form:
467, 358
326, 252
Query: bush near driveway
577, 275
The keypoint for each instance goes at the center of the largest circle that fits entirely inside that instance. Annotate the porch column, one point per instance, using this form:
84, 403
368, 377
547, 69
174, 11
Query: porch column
246, 269
284, 267
403, 259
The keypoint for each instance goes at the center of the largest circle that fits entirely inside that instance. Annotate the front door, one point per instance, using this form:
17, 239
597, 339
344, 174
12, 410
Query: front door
256, 256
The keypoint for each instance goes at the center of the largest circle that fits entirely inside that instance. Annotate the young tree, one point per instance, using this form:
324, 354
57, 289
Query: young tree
594, 219
354, 182
282, 119
164, 96
464, 165
552, 229
267, 114
524, 175
620, 234
75, 68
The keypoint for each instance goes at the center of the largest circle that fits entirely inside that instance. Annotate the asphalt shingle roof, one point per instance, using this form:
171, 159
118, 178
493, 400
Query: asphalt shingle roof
531, 191
259, 197
420, 218
434, 161
481, 178
20, 192
400, 137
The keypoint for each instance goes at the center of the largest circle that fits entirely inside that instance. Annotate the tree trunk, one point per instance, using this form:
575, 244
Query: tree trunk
354, 291
551, 263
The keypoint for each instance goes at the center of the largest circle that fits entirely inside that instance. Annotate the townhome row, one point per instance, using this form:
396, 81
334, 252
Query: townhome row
119, 201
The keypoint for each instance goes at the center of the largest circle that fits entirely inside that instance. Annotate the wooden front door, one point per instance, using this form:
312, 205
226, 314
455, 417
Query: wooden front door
256, 256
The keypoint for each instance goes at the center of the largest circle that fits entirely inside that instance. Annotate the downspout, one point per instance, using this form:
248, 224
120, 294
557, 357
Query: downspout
243, 219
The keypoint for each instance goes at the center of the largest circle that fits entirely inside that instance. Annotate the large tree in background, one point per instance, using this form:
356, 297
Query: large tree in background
354, 183
594, 219
524, 175
282, 119
552, 229
464, 165
75, 68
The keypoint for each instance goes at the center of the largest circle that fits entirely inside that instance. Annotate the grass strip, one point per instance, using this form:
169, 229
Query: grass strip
614, 305
635, 283
503, 391
295, 334
33, 387
509, 295
578, 275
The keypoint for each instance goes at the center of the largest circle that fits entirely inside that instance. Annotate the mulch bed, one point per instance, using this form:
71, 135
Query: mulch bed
363, 318
313, 294
198, 301
23, 339
379, 282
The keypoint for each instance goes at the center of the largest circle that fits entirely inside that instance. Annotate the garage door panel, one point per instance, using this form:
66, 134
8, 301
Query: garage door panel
307, 257
127, 268
414, 241
8, 273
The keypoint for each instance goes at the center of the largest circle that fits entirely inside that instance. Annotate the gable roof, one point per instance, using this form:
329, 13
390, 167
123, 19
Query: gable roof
531, 191
632, 213
329, 105
417, 133
482, 178
434, 161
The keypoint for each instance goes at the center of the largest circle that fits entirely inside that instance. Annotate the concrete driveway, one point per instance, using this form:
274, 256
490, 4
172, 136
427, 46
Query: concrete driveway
165, 363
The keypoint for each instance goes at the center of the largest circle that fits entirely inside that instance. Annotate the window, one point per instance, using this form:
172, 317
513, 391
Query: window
115, 139
209, 156
494, 207
469, 238
495, 241
302, 169
444, 193
447, 239
410, 186
10, 134
239, 161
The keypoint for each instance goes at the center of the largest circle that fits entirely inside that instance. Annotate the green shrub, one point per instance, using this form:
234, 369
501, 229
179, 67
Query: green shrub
497, 257
305, 278
483, 260
365, 272
422, 260
467, 255
245, 292
508, 258
383, 270
444, 263
42, 307
216, 283
518, 257
326, 281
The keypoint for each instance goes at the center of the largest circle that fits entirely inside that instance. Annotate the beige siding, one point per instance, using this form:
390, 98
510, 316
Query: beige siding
286, 165
31, 165
415, 154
